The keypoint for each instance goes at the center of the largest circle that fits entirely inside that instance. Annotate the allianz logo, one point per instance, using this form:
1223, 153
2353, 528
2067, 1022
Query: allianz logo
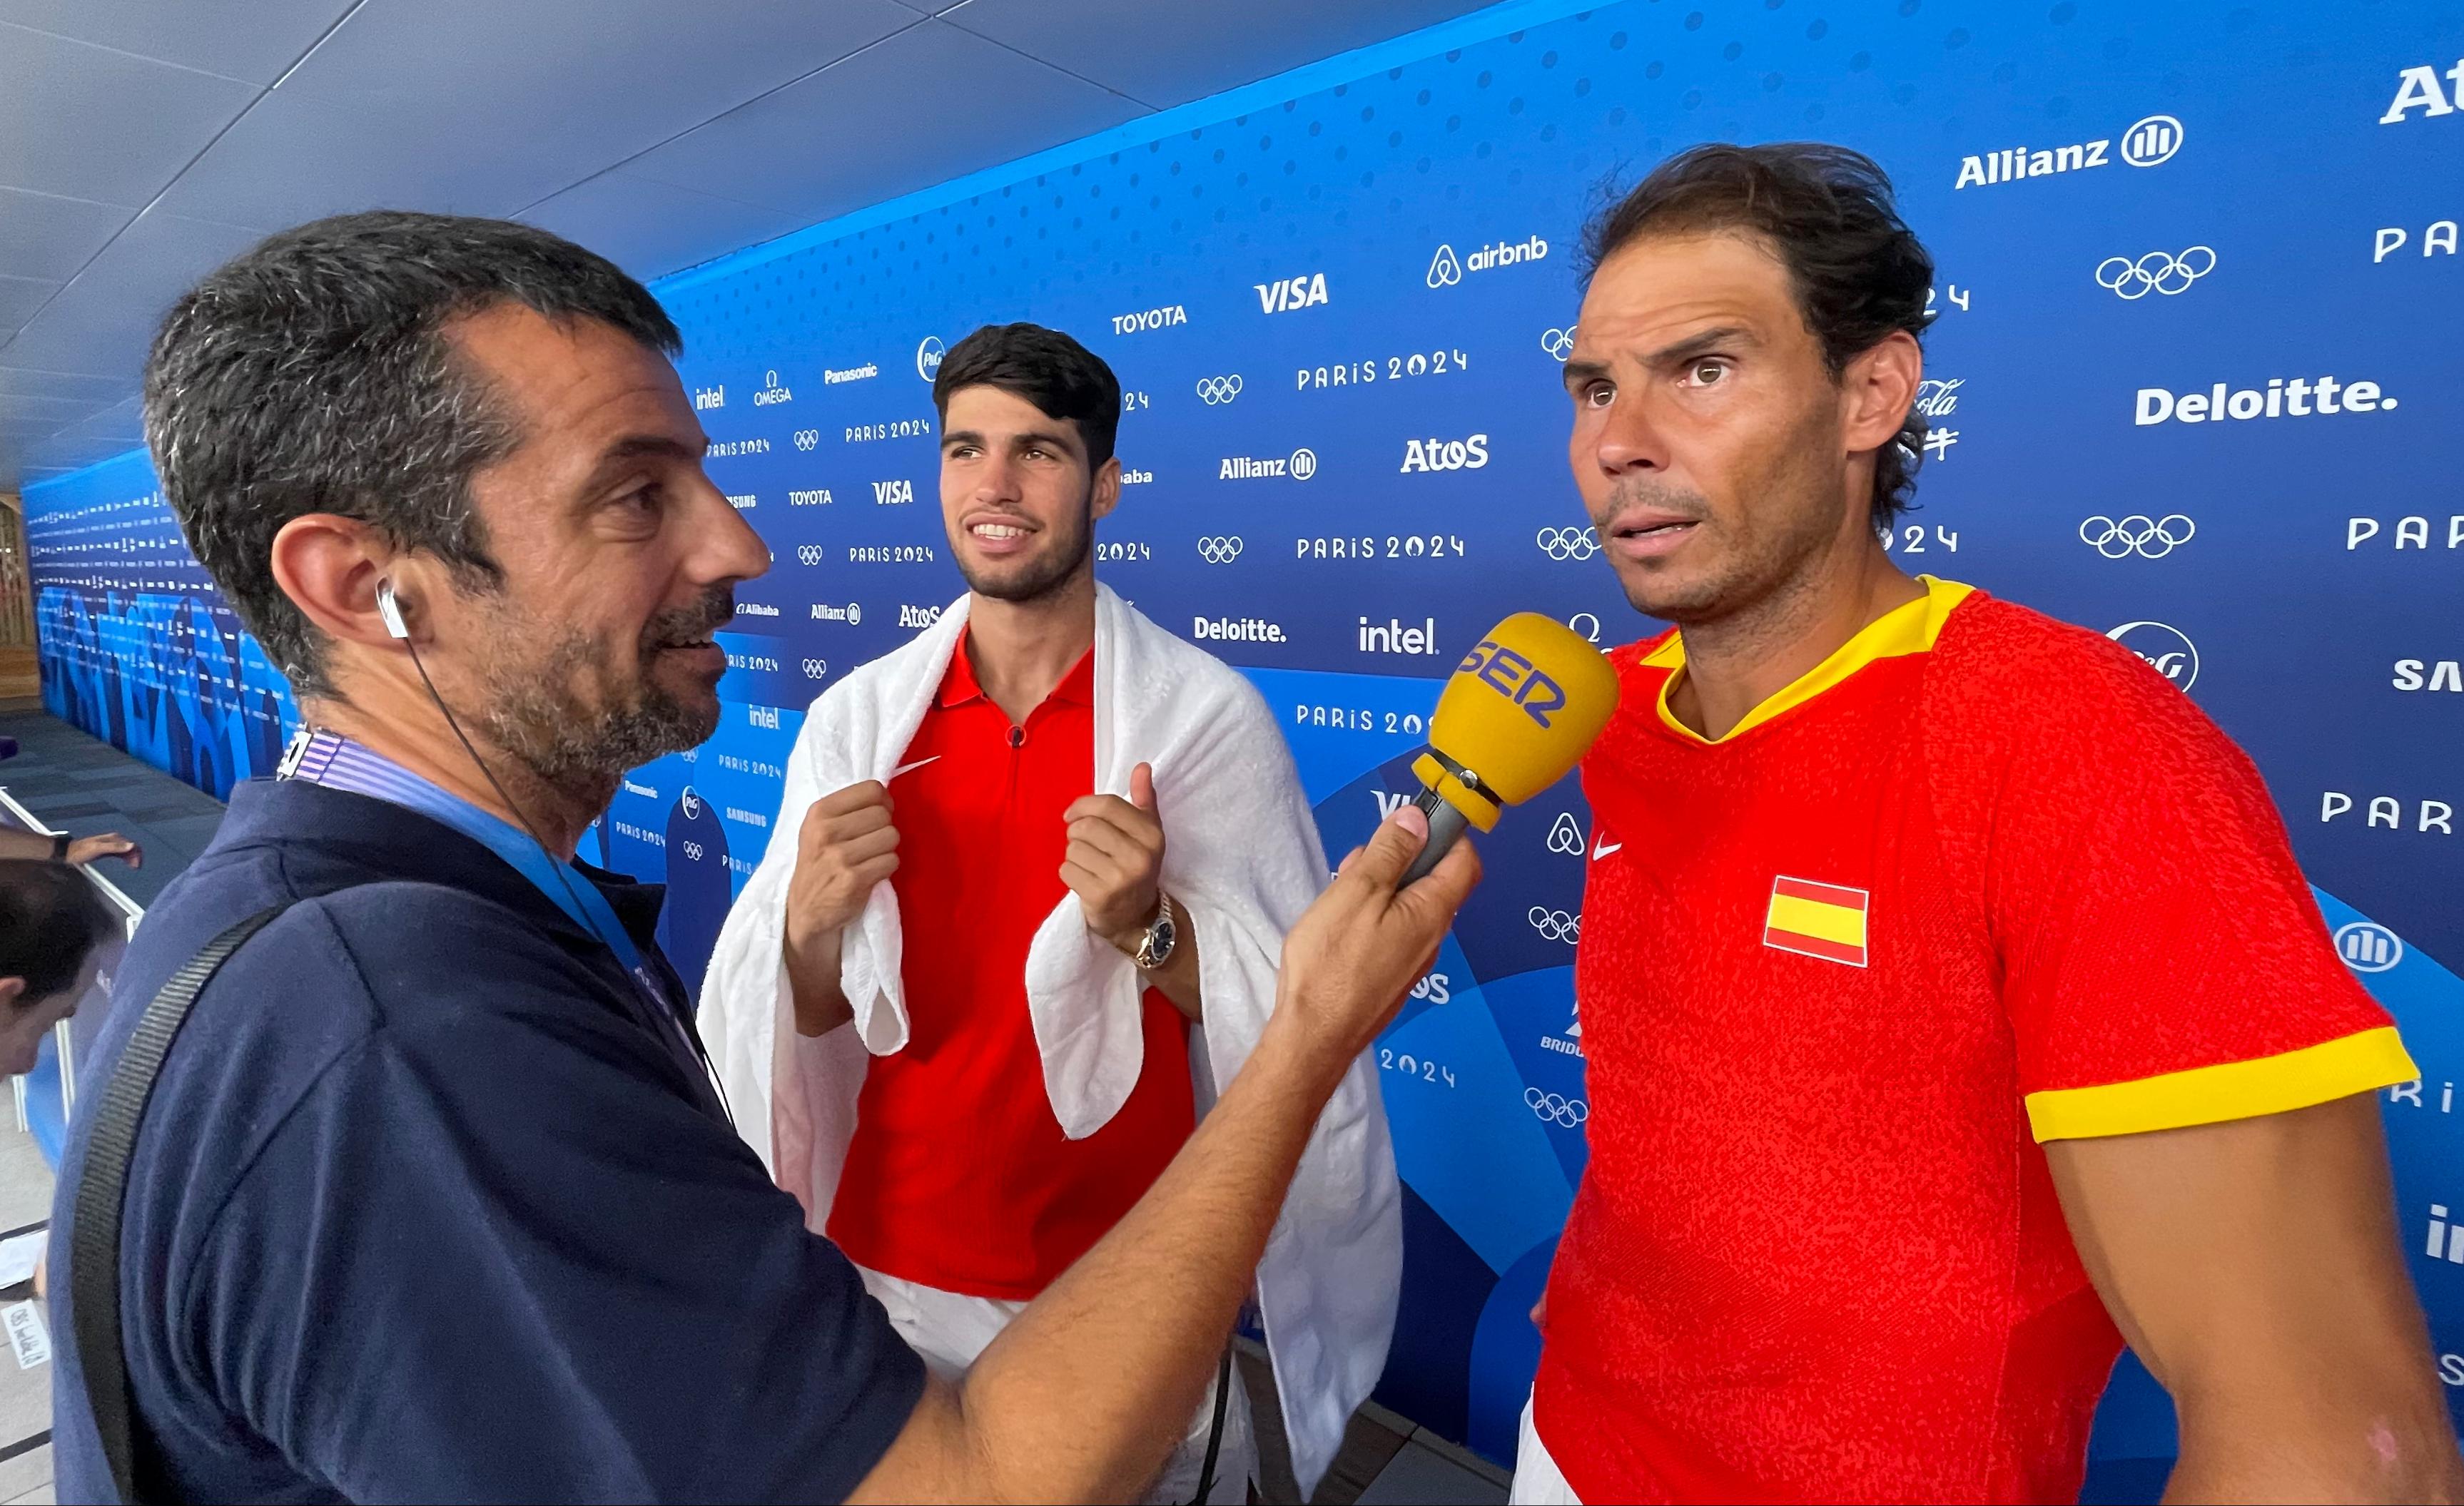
1445, 454
851, 614
2411, 533
755, 609
1445, 270
1148, 319
894, 493
917, 615
642, 790
1136, 478
817, 496
743, 501
2389, 811
2147, 142
2422, 674
2303, 397
772, 392
1283, 296
832, 376
1299, 466
708, 398
1392, 637
2418, 89
1236, 630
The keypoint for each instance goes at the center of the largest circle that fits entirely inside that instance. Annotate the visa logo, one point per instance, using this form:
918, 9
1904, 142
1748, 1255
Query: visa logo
1517, 678
890, 493
1292, 293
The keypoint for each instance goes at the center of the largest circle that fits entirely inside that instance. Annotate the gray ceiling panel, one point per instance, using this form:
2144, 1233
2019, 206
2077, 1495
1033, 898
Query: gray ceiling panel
482, 107
246, 40
67, 453
19, 298
879, 124
100, 391
100, 324
54, 413
652, 228
96, 124
1169, 55
44, 235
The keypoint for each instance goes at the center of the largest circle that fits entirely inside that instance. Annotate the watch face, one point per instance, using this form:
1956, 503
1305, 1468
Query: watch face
1160, 937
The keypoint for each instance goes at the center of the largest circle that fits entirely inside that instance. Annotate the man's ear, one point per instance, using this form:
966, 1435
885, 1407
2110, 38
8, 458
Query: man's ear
329, 567
1878, 389
1107, 487
12, 990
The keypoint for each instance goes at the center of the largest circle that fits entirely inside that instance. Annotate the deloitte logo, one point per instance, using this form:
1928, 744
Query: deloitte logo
2369, 946
1299, 466
928, 357
1445, 270
2303, 397
1236, 630
2164, 647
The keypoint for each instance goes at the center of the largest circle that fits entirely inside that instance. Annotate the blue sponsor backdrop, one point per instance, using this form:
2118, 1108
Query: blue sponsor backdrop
1337, 302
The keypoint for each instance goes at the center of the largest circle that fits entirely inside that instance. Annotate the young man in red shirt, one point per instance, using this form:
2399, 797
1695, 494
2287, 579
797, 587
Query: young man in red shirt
1953, 1005
1033, 871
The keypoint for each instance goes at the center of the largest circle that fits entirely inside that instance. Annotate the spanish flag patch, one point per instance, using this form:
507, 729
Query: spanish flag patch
1819, 920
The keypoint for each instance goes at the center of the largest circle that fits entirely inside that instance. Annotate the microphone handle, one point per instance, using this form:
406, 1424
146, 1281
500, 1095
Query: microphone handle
1446, 825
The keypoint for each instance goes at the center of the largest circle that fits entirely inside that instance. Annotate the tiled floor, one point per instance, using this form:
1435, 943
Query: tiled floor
84, 786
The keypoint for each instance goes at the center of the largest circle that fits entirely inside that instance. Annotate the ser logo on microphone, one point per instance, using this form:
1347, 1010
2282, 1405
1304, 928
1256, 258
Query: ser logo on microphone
1517, 678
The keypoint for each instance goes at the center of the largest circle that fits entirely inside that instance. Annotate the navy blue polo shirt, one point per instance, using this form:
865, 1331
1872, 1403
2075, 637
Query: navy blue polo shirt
424, 1210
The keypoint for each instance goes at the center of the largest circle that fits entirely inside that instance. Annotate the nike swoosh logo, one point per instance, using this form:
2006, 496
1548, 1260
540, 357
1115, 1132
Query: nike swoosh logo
1601, 849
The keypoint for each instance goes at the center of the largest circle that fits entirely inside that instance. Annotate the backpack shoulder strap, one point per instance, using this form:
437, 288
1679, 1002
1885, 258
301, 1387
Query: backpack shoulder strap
102, 1186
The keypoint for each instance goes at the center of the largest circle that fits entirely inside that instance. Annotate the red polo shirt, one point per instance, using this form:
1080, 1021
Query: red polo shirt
958, 1176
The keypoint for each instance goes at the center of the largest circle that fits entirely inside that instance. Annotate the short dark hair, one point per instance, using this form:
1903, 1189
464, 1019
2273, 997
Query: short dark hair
313, 375
51, 919
1043, 366
1827, 213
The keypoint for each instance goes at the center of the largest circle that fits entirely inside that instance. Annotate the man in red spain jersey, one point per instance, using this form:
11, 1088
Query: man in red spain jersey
1954, 1006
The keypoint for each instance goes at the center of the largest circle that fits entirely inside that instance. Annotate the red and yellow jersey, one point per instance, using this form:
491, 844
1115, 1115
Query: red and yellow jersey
1977, 881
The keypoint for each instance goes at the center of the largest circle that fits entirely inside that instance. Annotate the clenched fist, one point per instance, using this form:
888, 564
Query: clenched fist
1115, 859
845, 845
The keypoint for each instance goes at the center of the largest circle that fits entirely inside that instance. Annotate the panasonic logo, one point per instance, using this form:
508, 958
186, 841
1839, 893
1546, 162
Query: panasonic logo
642, 790
832, 376
1236, 630
1150, 319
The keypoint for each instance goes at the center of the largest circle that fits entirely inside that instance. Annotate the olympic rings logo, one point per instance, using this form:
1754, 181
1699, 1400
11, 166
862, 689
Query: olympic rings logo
2149, 538
1219, 550
1559, 344
2157, 271
807, 438
816, 669
1555, 925
809, 553
1216, 391
1569, 543
1552, 1109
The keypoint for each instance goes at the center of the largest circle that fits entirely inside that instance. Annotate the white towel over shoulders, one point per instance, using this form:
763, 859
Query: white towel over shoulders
1241, 853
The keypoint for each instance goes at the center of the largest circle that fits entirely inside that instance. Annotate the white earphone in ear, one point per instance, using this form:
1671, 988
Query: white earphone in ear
392, 611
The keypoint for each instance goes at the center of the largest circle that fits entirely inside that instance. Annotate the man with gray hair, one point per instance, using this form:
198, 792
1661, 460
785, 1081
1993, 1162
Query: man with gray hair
433, 1197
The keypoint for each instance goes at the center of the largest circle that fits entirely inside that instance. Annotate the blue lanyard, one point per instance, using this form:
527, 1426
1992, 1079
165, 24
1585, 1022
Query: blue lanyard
335, 761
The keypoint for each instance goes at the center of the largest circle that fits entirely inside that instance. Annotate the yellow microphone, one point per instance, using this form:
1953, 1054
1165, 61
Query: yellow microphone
1521, 709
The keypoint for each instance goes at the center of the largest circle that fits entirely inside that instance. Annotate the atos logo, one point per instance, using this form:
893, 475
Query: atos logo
2418, 89
1517, 678
1445, 454
2369, 946
1292, 293
893, 493
918, 616
2164, 647
928, 357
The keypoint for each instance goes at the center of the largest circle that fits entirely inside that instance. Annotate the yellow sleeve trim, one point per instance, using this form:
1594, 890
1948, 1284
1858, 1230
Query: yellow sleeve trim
2355, 1064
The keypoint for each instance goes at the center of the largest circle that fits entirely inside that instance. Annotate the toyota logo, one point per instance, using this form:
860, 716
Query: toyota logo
1559, 344
1216, 391
2157, 271
2166, 649
1555, 925
1219, 550
1569, 543
2149, 538
928, 357
1444, 272
1564, 1112
1304, 463
807, 438
2151, 141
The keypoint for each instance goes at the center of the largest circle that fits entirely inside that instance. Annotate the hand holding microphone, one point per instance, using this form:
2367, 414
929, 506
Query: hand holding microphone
1522, 710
